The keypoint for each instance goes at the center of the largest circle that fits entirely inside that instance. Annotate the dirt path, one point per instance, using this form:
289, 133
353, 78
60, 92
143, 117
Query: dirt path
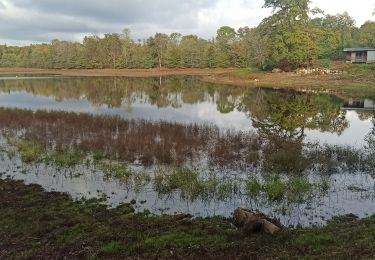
117, 72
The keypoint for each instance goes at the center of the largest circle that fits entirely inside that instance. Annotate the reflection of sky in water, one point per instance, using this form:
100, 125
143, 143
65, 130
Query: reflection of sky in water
204, 112
353, 135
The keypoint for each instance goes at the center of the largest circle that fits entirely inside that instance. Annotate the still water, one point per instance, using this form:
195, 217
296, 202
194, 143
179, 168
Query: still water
299, 119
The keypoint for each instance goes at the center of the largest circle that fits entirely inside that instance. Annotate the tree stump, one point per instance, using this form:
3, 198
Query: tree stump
253, 222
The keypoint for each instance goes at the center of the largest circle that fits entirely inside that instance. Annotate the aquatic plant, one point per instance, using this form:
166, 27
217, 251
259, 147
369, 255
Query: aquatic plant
30, 150
274, 187
143, 141
298, 187
253, 186
64, 158
116, 170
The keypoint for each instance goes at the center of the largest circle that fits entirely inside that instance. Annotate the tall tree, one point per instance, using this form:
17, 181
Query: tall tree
292, 44
112, 46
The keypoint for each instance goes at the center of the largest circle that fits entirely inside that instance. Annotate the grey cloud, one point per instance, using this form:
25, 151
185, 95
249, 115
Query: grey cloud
44, 18
128, 11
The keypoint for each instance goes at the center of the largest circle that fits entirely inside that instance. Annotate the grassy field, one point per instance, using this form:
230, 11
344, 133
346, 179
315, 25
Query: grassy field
38, 224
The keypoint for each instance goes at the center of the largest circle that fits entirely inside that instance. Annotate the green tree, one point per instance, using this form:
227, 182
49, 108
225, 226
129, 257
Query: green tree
112, 47
366, 36
173, 55
292, 43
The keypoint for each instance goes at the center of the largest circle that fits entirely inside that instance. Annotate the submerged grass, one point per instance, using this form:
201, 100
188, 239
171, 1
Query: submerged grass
163, 143
191, 186
30, 150
276, 188
146, 142
64, 158
36, 224
116, 170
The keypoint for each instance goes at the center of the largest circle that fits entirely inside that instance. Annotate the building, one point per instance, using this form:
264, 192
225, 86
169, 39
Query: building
365, 104
360, 55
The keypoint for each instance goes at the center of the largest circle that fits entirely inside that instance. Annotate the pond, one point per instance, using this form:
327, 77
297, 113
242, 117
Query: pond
180, 145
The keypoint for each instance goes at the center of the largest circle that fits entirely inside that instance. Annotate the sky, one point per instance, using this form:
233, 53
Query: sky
32, 21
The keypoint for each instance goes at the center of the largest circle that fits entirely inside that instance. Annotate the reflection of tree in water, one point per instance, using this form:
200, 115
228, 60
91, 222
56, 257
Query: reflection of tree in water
288, 114
370, 137
118, 92
365, 115
282, 118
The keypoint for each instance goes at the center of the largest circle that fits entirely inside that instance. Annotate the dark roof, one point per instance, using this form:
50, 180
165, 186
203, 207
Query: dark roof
360, 49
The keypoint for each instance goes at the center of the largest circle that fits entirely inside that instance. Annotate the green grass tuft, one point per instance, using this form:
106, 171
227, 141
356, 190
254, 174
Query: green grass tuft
30, 150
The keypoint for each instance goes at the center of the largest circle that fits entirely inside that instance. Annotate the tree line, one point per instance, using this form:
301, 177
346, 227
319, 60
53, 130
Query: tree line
293, 36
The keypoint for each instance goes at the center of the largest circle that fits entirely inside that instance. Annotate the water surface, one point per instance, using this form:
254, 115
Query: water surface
287, 124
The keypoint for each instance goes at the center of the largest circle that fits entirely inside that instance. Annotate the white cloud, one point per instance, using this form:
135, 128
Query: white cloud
360, 10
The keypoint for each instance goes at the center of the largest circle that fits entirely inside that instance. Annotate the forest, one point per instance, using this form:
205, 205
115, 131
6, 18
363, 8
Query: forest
295, 35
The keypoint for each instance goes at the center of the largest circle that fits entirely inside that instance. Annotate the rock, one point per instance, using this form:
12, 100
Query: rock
253, 222
277, 70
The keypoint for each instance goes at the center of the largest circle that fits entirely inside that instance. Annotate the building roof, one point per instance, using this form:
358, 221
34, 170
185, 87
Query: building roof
360, 49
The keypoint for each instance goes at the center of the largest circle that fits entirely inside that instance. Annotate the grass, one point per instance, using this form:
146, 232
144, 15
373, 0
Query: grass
116, 170
131, 140
37, 224
245, 72
253, 186
356, 81
276, 188
64, 158
298, 187
98, 155
191, 186
30, 150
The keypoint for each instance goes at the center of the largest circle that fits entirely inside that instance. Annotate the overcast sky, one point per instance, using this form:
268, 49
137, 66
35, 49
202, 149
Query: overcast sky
27, 21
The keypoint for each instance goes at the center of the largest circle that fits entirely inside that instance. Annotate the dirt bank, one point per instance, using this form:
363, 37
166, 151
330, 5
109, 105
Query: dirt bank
358, 85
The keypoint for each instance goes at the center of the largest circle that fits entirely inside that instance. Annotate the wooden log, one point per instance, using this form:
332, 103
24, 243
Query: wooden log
251, 222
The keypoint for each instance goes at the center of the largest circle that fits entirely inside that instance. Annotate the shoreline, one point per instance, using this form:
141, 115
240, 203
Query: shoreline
346, 85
